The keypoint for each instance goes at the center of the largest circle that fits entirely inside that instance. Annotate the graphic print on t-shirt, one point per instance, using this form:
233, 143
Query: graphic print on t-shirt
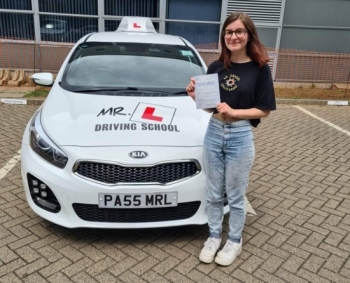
230, 82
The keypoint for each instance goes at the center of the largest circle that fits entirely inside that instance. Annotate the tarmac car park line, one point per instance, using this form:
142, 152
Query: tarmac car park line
323, 120
9, 165
249, 209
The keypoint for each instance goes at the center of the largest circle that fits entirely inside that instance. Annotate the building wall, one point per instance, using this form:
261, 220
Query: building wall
317, 25
308, 40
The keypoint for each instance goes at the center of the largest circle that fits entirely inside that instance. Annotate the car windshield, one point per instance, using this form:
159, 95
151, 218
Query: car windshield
138, 66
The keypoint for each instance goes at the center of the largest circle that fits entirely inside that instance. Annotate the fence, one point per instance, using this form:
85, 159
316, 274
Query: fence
288, 66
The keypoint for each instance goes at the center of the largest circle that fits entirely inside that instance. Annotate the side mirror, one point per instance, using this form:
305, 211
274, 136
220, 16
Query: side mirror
43, 79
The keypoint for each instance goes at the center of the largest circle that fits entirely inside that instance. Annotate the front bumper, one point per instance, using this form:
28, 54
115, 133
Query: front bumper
72, 190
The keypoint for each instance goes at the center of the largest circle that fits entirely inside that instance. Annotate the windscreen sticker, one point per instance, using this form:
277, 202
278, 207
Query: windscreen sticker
145, 112
114, 111
134, 127
186, 53
149, 117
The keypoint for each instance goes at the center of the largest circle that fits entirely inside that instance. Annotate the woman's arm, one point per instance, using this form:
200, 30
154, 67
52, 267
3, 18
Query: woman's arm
252, 113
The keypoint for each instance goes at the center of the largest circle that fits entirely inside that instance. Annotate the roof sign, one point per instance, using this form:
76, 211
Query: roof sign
136, 24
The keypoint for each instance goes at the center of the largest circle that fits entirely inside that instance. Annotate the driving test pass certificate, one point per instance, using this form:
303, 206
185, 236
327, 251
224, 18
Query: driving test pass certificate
207, 91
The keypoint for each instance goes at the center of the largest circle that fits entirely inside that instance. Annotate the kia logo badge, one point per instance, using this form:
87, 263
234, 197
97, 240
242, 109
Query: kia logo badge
138, 154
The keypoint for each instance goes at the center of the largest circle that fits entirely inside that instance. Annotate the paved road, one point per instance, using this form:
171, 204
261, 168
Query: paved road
299, 188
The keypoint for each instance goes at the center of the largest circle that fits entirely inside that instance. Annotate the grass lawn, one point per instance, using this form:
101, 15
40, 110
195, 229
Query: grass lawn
313, 93
37, 93
290, 93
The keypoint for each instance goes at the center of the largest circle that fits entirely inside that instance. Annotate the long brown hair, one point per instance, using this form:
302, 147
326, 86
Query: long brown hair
255, 49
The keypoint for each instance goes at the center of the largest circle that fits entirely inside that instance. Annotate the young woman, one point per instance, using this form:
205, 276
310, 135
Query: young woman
247, 94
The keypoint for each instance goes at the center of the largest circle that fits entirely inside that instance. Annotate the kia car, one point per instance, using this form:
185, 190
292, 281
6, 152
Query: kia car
118, 142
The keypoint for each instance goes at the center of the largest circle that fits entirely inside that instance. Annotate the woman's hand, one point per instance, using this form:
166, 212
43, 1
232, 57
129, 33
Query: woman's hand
223, 108
191, 87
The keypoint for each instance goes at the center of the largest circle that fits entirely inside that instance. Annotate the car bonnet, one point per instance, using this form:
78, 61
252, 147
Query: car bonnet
78, 119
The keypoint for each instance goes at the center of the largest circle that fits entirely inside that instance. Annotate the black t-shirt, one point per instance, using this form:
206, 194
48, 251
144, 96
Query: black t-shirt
245, 85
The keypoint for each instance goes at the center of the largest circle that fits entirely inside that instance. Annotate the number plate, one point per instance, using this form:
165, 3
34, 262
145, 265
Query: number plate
137, 200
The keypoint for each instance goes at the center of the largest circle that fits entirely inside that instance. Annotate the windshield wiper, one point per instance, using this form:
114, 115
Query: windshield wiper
118, 90
127, 91
180, 92
98, 89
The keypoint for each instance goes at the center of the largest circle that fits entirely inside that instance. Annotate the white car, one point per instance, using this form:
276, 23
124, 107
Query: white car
118, 142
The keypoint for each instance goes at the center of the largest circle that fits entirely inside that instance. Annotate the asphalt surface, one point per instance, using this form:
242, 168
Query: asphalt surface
299, 188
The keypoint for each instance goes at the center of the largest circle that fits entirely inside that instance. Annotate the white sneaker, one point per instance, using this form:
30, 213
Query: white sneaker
209, 250
228, 253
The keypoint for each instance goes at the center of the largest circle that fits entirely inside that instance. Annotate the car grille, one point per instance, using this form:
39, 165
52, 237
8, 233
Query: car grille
90, 212
113, 174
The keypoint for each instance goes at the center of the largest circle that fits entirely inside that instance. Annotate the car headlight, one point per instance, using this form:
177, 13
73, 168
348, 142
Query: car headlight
44, 146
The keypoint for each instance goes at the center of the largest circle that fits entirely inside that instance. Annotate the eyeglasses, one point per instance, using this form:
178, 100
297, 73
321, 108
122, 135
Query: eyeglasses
239, 33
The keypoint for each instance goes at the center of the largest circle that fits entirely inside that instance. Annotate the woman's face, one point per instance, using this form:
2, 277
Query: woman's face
236, 36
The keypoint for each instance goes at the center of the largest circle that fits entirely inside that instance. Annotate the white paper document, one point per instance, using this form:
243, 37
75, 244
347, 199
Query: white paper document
207, 91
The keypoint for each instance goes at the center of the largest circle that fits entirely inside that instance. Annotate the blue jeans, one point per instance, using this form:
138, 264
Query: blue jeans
228, 158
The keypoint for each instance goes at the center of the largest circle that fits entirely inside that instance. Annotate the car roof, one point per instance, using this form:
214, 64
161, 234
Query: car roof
133, 37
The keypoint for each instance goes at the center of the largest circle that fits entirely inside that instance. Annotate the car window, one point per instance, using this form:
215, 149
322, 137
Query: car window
151, 66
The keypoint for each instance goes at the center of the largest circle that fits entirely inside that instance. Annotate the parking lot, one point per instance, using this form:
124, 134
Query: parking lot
299, 188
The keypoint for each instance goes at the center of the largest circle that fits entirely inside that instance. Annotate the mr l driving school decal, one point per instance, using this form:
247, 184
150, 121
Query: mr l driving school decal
152, 118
